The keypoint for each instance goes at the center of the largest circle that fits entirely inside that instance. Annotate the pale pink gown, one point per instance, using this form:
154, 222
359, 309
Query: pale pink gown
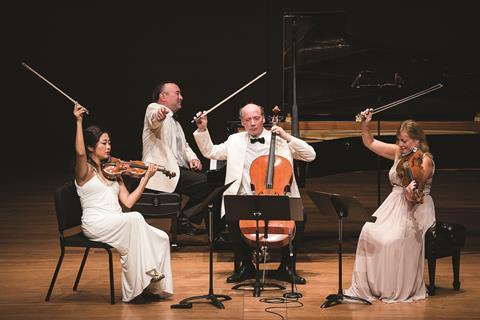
390, 253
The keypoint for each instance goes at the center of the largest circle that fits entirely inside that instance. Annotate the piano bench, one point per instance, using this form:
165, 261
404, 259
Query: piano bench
161, 205
444, 240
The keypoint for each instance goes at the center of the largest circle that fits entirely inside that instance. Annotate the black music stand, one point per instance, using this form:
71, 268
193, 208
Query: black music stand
214, 298
251, 207
343, 206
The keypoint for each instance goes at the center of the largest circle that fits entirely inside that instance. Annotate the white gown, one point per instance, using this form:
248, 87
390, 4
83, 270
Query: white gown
390, 252
141, 246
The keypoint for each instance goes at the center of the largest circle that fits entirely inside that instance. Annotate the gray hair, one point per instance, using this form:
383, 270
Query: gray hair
262, 110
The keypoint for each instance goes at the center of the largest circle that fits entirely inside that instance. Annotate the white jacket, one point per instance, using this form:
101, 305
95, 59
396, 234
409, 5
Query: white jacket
234, 150
158, 140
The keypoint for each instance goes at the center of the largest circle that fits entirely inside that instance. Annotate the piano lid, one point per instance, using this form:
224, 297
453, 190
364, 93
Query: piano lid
392, 60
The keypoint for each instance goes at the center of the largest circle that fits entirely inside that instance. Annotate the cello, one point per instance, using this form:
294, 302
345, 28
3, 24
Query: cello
270, 175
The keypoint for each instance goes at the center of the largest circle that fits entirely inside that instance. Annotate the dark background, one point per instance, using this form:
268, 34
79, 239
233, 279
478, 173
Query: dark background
110, 56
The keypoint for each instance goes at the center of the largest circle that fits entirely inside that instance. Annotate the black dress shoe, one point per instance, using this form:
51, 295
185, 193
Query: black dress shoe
140, 299
220, 243
285, 274
185, 227
148, 296
244, 272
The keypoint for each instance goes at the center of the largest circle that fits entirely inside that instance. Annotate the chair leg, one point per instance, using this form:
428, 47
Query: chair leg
55, 274
174, 229
456, 270
236, 263
110, 265
80, 270
431, 275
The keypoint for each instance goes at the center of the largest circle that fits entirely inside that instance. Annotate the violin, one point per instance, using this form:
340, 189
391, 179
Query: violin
270, 175
116, 167
409, 169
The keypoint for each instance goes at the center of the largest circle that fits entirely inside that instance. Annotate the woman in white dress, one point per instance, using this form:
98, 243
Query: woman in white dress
390, 252
144, 250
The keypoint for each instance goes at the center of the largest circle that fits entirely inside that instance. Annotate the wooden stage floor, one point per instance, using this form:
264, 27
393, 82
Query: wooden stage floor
29, 251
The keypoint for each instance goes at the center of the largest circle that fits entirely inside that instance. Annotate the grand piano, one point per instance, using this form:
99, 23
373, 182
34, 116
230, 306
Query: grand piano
332, 70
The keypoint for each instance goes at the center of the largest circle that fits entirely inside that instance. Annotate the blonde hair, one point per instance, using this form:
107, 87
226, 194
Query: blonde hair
414, 131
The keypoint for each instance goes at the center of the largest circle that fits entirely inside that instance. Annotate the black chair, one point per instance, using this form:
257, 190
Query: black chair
158, 205
161, 205
69, 213
444, 240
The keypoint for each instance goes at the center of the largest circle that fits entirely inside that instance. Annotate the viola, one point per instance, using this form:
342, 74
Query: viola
116, 167
409, 169
270, 175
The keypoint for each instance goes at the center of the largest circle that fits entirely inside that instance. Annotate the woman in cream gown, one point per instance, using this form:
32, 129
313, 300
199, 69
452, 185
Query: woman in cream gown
389, 261
144, 250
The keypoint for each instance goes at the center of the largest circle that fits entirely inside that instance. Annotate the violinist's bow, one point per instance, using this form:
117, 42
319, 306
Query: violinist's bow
51, 84
359, 117
227, 98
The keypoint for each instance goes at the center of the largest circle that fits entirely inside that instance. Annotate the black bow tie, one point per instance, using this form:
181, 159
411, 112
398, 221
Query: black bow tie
261, 140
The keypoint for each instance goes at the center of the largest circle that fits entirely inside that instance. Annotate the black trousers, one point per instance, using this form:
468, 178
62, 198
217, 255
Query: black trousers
194, 184
243, 252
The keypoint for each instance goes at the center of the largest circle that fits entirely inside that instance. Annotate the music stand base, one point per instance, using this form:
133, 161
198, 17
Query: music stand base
257, 288
292, 295
214, 300
335, 299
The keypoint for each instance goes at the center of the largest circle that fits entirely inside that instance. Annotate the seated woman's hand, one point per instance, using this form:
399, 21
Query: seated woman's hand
152, 169
78, 111
367, 115
410, 191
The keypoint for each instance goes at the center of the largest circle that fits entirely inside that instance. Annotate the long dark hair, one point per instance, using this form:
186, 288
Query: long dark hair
91, 136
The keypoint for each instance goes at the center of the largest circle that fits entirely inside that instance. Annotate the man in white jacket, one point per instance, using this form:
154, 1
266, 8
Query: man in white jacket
240, 150
164, 143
